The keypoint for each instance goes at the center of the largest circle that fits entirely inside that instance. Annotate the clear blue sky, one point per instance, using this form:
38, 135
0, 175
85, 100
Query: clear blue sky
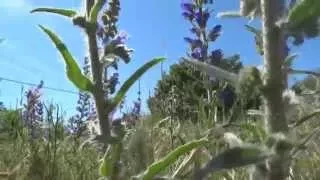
156, 28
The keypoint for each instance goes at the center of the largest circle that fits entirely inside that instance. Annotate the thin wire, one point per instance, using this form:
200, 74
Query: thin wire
33, 84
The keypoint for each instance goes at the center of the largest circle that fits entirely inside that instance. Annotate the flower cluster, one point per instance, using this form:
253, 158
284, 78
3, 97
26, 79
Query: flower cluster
113, 47
197, 13
85, 108
33, 108
133, 116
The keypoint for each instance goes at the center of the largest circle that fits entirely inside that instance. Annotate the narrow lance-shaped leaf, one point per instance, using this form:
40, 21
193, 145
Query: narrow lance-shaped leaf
229, 14
303, 143
166, 161
258, 38
95, 10
133, 78
233, 158
73, 71
289, 59
214, 71
306, 118
63, 12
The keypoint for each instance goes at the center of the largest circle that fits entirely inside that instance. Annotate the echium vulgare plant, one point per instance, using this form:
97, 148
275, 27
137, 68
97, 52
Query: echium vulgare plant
85, 108
33, 110
131, 118
105, 46
197, 13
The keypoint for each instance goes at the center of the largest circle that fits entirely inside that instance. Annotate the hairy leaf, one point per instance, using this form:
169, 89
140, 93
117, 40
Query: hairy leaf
63, 12
234, 158
258, 38
303, 143
229, 14
304, 10
289, 59
95, 10
73, 71
132, 79
166, 161
214, 71
306, 118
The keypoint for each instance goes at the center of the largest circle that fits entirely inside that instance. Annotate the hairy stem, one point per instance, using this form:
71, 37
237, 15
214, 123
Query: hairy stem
97, 68
275, 51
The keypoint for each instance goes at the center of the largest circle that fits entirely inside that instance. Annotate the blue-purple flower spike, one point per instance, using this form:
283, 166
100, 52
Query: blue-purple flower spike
214, 33
202, 17
120, 38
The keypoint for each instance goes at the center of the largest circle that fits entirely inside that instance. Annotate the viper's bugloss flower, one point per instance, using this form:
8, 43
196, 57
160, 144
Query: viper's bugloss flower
196, 53
188, 7
188, 10
216, 54
202, 17
188, 15
214, 33
194, 43
227, 96
136, 107
195, 31
120, 38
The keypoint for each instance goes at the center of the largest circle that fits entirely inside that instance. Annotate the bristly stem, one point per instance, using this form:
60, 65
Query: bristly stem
96, 68
275, 50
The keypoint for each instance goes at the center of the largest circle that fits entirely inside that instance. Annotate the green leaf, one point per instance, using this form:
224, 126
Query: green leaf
95, 10
304, 10
73, 71
253, 30
63, 12
105, 168
289, 60
306, 118
258, 38
229, 14
234, 158
132, 79
213, 71
166, 161
303, 143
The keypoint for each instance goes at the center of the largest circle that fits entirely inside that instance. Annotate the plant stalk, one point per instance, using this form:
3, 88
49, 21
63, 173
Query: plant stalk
97, 68
275, 51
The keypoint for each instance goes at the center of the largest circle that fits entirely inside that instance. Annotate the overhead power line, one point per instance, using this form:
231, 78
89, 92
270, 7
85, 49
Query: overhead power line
34, 84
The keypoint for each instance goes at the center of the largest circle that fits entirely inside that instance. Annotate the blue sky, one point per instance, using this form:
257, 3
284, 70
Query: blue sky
156, 28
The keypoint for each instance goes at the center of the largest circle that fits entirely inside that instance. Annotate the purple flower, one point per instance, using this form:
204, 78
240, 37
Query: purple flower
188, 15
188, 7
214, 33
194, 42
120, 38
195, 31
216, 54
196, 53
202, 17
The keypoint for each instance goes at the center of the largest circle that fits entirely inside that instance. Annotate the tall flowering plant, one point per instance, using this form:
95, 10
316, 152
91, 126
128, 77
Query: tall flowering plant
197, 13
33, 109
106, 46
